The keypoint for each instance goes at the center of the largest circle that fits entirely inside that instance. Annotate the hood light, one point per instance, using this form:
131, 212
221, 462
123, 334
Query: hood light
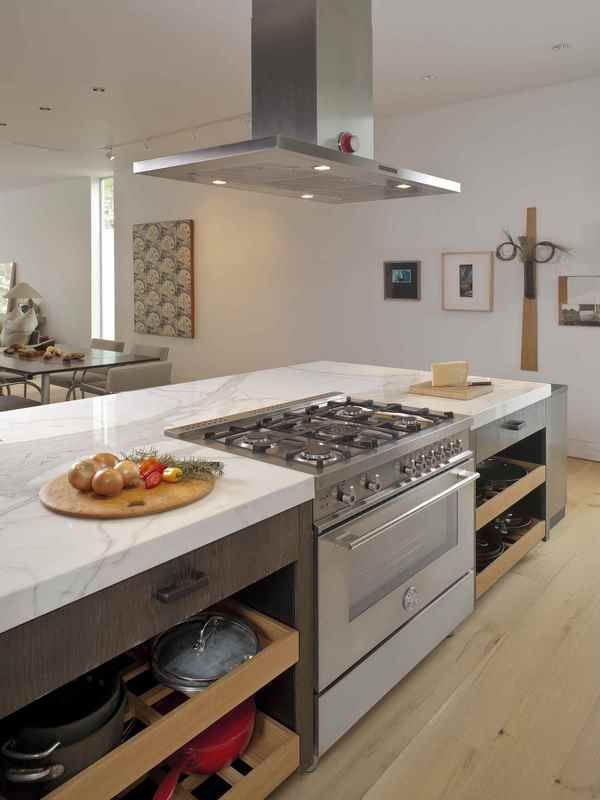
403, 186
307, 196
219, 182
322, 168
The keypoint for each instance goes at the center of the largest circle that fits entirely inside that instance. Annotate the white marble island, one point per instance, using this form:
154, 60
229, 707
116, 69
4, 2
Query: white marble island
49, 561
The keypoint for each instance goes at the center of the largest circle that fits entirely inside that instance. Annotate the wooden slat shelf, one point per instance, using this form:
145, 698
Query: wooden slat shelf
488, 511
513, 553
272, 755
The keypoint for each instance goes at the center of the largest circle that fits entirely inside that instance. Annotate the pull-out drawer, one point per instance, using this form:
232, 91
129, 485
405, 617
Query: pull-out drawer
501, 433
51, 650
272, 755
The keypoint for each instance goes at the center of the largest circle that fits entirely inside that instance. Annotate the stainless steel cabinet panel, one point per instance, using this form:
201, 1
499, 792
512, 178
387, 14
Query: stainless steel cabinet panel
501, 433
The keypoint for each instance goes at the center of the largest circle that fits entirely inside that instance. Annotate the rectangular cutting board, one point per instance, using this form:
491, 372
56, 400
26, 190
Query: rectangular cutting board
450, 392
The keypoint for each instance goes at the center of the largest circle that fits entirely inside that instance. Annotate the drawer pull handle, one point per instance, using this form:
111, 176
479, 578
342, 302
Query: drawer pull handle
514, 424
169, 594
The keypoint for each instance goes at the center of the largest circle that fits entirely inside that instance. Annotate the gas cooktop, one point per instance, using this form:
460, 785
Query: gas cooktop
357, 450
329, 431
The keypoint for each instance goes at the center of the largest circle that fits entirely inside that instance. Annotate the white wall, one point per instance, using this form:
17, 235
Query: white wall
280, 281
46, 230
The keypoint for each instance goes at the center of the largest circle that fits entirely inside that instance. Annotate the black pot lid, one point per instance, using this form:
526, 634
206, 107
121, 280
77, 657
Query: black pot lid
202, 649
494, 470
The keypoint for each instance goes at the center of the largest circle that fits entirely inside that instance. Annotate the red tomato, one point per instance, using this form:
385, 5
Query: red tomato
153, 478
150, 465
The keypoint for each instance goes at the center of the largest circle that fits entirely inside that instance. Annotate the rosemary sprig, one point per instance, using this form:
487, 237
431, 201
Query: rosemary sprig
192, 468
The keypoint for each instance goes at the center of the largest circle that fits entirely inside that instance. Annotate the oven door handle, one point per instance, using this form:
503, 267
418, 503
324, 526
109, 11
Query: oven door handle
464, 478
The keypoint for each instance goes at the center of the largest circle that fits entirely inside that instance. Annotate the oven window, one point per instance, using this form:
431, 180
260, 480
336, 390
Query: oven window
401, 552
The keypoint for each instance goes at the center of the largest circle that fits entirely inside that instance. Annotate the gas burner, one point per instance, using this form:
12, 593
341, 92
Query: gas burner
259, 441
319, 454
406, 425
351, 412
338, 430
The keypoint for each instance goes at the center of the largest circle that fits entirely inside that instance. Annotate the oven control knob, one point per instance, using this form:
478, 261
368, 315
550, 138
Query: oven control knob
373, 484
456, 446
420, 463
431, 459
443, 453
347, 495
410, 601
410, 469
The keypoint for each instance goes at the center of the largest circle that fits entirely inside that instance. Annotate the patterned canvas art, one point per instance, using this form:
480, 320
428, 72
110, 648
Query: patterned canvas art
163, 277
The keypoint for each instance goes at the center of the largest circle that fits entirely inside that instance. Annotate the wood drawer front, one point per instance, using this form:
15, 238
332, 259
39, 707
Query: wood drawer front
58, 647
501, 433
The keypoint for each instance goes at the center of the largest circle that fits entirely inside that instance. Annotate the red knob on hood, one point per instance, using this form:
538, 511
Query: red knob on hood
348, 142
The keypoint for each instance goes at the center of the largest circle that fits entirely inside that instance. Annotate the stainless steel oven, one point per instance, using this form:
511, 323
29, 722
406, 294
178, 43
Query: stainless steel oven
379, 570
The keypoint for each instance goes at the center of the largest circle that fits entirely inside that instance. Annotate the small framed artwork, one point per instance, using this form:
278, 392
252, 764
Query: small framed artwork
402, 280
579, 300
468, 281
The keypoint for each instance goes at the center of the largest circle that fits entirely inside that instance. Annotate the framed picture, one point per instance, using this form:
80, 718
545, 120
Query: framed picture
579, 300
163, 278
402, 280
468, 281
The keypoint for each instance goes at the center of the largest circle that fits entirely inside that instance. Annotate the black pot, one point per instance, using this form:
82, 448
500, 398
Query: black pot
40, 773
71, 713
65, 732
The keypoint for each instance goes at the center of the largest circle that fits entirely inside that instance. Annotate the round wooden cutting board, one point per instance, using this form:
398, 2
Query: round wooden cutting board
58, 495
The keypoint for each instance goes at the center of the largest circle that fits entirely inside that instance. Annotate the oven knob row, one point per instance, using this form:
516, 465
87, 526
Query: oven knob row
347, 495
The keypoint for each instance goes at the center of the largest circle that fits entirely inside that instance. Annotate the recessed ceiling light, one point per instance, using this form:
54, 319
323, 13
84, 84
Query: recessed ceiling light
431, 76
219, 182
403, 186
98, 89
561, 46
45, 108
307, 196
322, 168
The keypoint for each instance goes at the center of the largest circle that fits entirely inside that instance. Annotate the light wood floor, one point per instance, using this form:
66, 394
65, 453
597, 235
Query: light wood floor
509, 707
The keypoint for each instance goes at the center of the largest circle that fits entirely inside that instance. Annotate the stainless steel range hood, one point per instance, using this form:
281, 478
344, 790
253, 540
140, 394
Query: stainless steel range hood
312, 81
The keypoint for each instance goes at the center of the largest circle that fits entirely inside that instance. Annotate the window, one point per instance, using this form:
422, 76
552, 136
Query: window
103, 259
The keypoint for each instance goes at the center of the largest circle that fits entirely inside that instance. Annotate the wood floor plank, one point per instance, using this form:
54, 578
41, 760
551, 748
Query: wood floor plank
509, 707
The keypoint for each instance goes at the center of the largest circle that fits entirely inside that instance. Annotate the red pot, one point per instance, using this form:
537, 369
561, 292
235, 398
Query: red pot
213, 749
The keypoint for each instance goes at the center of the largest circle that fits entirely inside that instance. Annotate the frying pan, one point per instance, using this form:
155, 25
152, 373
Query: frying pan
213, 749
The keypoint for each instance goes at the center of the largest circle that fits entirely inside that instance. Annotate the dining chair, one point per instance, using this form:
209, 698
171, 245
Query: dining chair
69, 381
150, 350
91, 378
131, 377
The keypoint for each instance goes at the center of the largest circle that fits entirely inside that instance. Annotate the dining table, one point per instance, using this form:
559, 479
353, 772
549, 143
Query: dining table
31, 368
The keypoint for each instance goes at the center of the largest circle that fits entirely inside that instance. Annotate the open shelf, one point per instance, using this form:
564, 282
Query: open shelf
272, 755
488, 511
513, 553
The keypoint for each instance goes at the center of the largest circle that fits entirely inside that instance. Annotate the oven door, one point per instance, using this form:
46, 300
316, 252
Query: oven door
379, 569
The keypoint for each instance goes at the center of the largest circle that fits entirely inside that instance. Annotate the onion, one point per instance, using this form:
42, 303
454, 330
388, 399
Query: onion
106, 459
129, 472
107, 482
80, 475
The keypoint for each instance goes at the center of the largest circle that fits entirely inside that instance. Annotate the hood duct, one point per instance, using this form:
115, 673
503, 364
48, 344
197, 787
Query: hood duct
312, 113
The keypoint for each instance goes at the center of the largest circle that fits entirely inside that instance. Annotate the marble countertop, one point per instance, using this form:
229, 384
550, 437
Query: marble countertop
49, 561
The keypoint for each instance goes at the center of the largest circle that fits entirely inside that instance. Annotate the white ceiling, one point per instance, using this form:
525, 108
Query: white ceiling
176, 64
